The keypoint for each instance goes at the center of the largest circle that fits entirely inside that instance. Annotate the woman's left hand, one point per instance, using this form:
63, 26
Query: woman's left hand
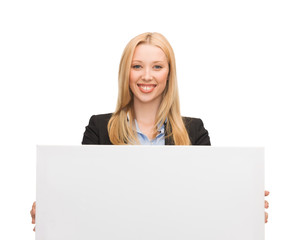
266, 205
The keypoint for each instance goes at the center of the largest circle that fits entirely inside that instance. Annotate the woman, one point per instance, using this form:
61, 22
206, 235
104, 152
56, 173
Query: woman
147, 110
147, 101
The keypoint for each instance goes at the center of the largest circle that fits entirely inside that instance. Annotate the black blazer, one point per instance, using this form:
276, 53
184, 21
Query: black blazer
96, 132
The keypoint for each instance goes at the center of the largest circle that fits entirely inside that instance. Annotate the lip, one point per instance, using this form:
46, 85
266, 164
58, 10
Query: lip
146, 88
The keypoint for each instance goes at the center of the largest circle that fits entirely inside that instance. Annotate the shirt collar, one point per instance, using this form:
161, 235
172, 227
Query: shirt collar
161, 129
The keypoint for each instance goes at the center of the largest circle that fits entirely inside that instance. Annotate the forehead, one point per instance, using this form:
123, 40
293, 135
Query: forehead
148, 52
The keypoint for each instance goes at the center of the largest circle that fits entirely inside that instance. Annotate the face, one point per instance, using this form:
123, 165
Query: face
148, 74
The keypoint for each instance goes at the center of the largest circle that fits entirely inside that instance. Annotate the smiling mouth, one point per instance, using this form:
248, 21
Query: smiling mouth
146, 88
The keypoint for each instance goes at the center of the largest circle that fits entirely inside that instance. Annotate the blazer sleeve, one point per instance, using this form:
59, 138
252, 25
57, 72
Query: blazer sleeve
91, 134
96, 132
202, 137
197, 133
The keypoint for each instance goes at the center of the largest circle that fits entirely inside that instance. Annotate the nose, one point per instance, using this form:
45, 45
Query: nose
147, 75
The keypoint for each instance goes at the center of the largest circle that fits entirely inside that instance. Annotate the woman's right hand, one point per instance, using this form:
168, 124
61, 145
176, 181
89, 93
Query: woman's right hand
32, 212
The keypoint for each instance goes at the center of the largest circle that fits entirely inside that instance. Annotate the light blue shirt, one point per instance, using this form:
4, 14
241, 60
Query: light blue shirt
144, 140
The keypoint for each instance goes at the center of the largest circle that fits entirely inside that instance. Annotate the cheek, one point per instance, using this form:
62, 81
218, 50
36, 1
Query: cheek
130, 76
133, 76
163, 77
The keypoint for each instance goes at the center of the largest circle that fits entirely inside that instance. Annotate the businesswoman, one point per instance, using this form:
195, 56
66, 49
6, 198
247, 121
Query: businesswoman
148, 110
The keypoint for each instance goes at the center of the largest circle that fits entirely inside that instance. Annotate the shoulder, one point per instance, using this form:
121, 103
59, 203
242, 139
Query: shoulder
101, 117
192, 124
197, 133
192, 121
96, 131
97, 119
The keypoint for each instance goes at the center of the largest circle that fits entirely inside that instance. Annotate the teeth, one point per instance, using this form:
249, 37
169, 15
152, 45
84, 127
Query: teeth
146, 88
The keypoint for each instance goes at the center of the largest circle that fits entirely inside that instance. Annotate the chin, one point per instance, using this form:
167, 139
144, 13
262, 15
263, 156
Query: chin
147, 100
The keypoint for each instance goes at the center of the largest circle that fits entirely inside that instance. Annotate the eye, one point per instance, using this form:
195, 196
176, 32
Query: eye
136, 66
158, 67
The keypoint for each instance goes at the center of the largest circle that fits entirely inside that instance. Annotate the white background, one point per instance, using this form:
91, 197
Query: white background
236, 67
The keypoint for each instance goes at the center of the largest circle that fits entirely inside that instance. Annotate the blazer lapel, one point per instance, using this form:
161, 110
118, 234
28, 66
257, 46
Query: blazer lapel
168, 140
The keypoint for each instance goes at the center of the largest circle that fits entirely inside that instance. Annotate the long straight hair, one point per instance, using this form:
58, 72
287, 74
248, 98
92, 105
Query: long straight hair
120, 128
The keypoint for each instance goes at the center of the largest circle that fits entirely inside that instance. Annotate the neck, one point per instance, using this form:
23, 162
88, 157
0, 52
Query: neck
145, 113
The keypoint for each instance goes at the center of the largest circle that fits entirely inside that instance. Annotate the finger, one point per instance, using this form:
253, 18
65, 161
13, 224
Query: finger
266, 205
266, 216
34, 229
32, 212
266, 193
33, 219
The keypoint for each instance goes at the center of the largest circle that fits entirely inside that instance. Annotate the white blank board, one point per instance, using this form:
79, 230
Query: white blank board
149, 193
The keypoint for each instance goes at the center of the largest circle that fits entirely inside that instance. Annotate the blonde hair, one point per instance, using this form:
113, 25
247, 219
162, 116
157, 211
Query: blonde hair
120, 129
